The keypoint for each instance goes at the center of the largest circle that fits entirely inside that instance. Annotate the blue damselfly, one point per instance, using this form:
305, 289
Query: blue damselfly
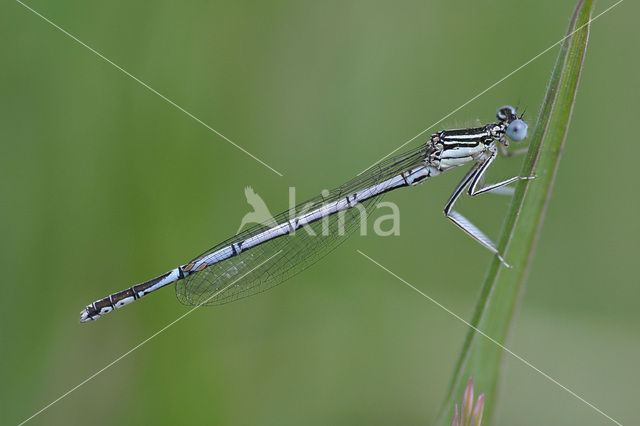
212, 277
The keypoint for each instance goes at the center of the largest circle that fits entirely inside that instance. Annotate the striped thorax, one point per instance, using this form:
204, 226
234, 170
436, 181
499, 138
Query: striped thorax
452, 148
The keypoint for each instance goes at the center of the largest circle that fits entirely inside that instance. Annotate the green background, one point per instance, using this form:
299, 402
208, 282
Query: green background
104, 184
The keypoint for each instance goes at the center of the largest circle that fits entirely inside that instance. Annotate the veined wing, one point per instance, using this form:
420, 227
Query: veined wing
299, 250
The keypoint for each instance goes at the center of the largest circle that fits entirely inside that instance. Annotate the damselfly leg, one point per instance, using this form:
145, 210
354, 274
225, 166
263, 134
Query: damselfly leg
473, 179
479, 177
511, 153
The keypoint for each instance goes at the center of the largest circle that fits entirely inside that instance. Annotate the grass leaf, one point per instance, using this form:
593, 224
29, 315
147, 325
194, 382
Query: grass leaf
481, 358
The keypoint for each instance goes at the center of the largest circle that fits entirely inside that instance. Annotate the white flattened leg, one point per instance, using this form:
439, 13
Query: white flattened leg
475, 233
503, 190
513, 153
462, 222
495, 188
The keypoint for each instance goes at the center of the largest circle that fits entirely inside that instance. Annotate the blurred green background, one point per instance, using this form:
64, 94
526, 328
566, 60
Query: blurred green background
104, 184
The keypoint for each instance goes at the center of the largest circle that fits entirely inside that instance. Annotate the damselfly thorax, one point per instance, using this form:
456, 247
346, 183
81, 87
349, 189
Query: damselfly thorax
270, 253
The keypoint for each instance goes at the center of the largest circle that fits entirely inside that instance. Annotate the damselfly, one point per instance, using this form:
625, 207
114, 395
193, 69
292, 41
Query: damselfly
300, 236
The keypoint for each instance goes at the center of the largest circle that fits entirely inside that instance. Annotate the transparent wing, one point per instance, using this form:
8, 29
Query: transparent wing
297, 251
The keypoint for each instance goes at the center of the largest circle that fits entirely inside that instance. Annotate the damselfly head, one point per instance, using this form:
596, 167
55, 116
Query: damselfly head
516, 127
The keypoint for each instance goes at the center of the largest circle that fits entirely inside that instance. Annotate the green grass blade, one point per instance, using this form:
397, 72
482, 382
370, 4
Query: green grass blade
499, 296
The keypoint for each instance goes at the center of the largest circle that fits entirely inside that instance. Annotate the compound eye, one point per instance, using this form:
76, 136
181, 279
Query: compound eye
505, 112
517, 130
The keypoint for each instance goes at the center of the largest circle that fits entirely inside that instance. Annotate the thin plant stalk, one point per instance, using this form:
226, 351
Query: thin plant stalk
500, 293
